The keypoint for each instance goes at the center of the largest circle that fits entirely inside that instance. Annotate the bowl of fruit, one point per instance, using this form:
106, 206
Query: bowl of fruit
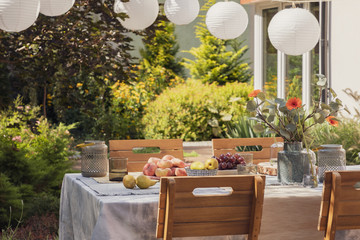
228, 163
209, 168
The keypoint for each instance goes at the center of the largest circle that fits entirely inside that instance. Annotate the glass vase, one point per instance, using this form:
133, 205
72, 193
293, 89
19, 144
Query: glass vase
296, 165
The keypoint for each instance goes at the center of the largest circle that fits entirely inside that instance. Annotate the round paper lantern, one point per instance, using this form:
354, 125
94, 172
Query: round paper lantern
4, 4
294, 31
181, 12
19, 15
53, 8
226, 20
142, 13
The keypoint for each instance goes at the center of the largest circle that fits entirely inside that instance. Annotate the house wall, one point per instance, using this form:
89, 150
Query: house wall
345, 49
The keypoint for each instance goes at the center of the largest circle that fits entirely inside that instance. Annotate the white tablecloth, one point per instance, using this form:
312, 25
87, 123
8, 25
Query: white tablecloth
290, 213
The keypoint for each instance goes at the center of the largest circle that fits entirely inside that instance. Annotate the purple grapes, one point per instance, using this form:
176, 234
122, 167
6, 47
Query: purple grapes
230, 161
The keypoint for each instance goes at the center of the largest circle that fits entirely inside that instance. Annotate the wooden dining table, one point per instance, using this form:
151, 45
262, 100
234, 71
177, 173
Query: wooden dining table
92, 209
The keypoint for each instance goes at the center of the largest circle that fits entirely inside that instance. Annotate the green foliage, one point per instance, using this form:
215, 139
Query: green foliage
214, 62
294, 89
242, 128
34, 156
194, 111
46, 63
347, 134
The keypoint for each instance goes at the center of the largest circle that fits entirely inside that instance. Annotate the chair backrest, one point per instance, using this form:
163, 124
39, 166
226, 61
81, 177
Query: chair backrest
183, 214
136, 161
225, 145
340, 205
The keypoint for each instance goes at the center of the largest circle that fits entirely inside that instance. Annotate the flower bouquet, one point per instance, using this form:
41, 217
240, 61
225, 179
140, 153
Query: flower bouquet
291, 120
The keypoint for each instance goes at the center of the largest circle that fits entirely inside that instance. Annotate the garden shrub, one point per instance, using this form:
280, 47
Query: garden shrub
34, 156
347, 134
194, 111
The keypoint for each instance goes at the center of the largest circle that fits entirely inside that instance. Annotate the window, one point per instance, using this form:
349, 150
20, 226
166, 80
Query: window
283, 76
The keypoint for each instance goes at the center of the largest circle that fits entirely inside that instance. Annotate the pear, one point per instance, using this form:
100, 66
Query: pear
143, 182
129, 181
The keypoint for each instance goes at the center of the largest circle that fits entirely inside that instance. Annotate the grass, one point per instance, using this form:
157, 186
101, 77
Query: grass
192, 154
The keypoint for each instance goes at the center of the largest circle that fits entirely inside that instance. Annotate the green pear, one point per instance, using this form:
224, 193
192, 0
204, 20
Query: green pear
143, 182
129, 181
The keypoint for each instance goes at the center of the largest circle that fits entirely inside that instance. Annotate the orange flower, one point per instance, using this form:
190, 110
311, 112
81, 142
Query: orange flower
332, 121
293, 103
254, 93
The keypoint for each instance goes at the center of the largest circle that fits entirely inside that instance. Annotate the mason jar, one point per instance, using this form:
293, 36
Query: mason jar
331, 157
94, 162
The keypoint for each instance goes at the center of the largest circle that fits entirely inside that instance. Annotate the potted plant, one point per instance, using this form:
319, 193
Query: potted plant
290, 120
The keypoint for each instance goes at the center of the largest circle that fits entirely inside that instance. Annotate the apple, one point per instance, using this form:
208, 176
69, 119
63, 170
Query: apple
162, 172
164, 163
211, 163
180, 172
149, 169
168, 157
154, 160
178, 163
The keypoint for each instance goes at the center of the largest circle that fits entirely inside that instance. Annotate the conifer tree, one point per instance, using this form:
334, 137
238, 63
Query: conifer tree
214, 62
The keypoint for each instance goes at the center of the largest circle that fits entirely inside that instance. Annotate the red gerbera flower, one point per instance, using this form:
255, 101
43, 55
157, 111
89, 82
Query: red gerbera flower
332, 121
254, 93
293, 103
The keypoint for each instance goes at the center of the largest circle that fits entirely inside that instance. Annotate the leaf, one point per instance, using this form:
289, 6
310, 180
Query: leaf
226, 118
347, 110
271, 118
254, 119
291, 127
319, 118
279, 100
283, 109
235, 99
213, 122
334, 106
338, 101
284, 133
261, 96
258, 128
333, 93
213, 110
251, 106
266, 110
325, 106
271, 102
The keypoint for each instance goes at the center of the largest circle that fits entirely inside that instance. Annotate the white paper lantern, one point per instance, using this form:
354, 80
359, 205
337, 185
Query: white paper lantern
226, 20
142, 13
19, 15
181, 12
4, 4
53, 8
294, 31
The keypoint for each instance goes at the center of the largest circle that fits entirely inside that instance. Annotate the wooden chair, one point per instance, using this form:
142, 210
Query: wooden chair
136, 161
182, 214
225, 145
340, 205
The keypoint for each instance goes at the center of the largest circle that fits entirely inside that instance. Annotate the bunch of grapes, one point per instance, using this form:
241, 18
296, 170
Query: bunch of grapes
230, 161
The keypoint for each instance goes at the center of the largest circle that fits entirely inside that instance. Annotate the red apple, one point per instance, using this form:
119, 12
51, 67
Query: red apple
173, 169
164, 163
149, 169
178, 162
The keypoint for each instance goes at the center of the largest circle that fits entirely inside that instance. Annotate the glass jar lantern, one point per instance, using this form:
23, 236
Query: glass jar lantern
331, 157
94, 162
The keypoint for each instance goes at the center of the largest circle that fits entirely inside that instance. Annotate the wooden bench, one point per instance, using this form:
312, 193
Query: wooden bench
136, 161
183, 214
225, 145
340, 205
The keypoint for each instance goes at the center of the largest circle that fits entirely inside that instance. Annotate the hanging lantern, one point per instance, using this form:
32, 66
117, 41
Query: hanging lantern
19, 15
226, 20
4, 4
53, 8
181, 12
142, 13
294, 31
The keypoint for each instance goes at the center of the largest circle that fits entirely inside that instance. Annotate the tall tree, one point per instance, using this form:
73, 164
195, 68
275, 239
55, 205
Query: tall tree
217, 60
